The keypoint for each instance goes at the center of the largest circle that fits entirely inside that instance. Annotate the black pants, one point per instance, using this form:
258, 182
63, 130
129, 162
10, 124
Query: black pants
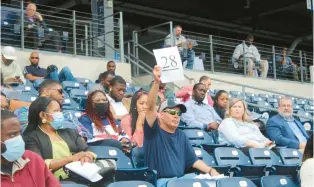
49, 36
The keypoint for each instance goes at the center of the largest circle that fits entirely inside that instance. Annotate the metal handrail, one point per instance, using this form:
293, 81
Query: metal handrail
275, 110
153, 27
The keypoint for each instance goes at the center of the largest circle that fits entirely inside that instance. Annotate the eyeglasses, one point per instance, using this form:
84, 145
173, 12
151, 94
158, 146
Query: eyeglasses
59, 90
174, 112
34, 57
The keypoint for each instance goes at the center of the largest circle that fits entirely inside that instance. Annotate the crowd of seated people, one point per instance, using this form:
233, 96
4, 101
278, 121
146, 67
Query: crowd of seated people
150, 119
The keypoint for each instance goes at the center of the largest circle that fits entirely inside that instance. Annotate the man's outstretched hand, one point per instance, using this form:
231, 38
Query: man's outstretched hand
157, 73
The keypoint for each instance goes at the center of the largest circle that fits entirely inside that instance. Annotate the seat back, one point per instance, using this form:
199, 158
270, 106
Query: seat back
290, 156
131, 184
264, 156
68, 85
70, 104
38, 82
78, 94
139, 174
277, 180
198, 137
21, 97
137, 157
187, 183
203, 155
29, 89
107, 152
234, 182
83, 81
71, 185
231, 156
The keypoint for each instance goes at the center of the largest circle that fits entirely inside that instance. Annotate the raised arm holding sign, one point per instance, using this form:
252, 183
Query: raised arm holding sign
170, 63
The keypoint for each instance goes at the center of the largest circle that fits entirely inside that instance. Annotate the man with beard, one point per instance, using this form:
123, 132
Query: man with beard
10, 69
199, 114
34, 72
120, 106
284, 129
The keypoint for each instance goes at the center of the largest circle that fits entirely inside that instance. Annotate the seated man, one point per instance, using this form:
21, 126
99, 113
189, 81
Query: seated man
119, 106
252, 57
10, 69
34, 72
186, 92
20, 167
4, 102
199, 114
179, 39
287, 62
166, 148
53, 89
164, 93
104, 81
111, 66
35, 27
284, 129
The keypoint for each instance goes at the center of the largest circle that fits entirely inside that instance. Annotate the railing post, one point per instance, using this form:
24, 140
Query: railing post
86, 40
243, 91
137, 72
172, 37
91, 39
305, 65
274, 61
211, 53
74, 32
301, 65
121, 41
22, 25
244, 58
129, 51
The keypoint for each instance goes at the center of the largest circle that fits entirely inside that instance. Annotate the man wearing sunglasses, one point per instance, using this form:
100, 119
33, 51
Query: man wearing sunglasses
10, 69
34, 72
166, 148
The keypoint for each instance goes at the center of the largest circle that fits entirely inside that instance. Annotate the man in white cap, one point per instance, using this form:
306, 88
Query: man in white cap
10, 70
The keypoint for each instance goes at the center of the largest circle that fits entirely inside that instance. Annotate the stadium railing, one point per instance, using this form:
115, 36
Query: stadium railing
79, 33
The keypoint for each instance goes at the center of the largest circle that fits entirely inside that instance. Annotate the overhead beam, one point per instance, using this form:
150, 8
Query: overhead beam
193, 20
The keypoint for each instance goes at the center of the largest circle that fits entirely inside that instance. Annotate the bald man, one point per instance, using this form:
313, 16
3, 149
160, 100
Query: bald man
34, 72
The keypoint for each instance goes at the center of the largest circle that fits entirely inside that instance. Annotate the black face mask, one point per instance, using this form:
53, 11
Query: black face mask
101, 109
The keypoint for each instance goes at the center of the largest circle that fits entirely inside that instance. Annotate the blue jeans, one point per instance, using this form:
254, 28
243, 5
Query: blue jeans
188, 55
64, 75
162, 182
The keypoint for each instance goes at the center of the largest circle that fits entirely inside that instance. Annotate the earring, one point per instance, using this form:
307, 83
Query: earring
44, 121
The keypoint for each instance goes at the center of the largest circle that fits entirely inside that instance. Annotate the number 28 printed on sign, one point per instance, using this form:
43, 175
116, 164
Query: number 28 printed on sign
170, 63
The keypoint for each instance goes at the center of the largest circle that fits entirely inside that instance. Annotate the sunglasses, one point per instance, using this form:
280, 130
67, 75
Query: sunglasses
34, 57
59, 90
173, 112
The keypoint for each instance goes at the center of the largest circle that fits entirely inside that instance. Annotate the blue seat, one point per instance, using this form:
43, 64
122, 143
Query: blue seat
63, 184
136, 174
78, 94
70, 104
69, 114
211, 93
234, 182
310, 102
296, 107
210, 160
271, 100
247, 94
27, 89
291, 156
68, 85
277, 181
301, 101
38, 82
137, 157
21, 97
263, 104
240, 164
137, 88
131, 184
198, 137
90, 85
256, 99
309, 108
264, 96
83, 81
273, 162
186, 183
107, 152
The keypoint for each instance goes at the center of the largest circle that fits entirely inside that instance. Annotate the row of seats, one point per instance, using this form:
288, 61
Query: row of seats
266, 181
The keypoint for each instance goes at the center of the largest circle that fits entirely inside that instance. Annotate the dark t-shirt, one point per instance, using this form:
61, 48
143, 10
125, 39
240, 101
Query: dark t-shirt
169, 154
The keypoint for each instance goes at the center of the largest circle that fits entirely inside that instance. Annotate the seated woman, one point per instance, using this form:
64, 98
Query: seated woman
237, 128
221, 103
132, 124
307, 168
57, 146
99, 121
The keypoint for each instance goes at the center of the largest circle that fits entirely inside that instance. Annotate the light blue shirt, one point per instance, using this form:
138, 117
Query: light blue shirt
238, 133
288, 59
295, 129
199, 115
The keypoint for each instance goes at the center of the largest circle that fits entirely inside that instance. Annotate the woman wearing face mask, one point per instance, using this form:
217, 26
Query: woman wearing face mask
20, 167
45, 136
132, 124
237, 128
99, 121
221, 103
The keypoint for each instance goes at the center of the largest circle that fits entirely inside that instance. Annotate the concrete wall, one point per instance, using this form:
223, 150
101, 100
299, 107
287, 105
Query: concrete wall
288, 87
80, 66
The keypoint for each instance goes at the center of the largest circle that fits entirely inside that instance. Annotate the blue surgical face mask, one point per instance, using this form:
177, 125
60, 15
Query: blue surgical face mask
15, 148
58, 120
